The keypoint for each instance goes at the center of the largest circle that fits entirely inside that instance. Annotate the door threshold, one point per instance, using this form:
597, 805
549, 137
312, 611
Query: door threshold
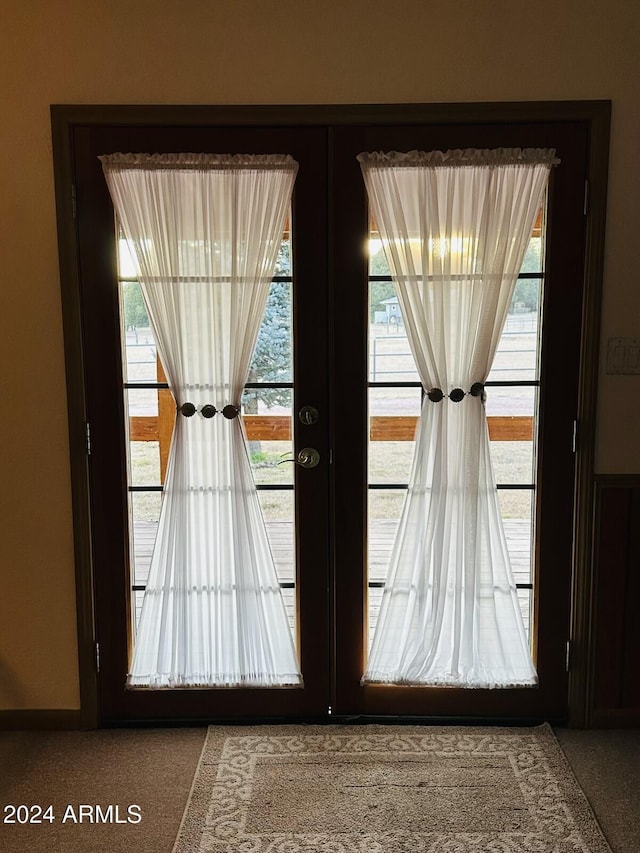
336, 719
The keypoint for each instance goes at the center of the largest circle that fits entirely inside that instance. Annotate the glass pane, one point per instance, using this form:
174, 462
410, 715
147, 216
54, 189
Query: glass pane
142, 402
144, 462
374, 599
518, 352
283, 261
377, 260
385, 507
138, 596
517, 516
145, 512
267, 416
512, 462
273, 356
517, 356
278, 510
525, 600
506, 401
534, 257
265, 457
511, 421
151, 416
139, 346
390, 358
393, 414
127, 267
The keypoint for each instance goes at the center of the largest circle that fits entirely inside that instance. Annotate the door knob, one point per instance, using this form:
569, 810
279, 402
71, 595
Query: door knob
308, 457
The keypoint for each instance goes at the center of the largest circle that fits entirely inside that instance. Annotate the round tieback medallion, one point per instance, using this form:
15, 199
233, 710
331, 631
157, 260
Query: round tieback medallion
188, 410
457, 394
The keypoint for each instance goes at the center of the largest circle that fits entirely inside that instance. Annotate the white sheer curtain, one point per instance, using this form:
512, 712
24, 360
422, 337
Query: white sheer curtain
205, 230
454, 228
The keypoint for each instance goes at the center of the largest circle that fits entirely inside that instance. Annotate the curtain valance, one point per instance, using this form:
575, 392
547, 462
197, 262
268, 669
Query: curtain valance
253, 162
459, 158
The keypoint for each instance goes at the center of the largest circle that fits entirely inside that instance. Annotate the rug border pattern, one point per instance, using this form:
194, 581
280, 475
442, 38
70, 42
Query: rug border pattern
216, 810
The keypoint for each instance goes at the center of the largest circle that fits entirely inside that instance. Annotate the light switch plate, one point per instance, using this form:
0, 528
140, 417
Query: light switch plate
623, 355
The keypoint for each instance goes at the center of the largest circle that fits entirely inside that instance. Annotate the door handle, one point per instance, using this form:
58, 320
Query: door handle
308, 457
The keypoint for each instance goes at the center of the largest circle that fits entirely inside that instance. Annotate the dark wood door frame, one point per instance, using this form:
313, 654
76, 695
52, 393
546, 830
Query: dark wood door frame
594, 115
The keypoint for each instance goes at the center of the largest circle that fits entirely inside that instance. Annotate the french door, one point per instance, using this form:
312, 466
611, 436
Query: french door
329, 412
531, 414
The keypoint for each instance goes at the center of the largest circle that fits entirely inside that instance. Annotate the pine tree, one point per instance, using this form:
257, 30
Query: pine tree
272, 356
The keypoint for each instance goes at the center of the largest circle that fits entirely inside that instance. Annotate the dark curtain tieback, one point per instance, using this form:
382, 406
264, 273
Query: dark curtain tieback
188, 410
457, 395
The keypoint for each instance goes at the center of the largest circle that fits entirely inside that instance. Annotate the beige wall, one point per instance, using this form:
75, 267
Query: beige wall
251, 51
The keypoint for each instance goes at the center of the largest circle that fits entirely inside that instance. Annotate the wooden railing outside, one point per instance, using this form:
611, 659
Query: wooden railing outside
278, 427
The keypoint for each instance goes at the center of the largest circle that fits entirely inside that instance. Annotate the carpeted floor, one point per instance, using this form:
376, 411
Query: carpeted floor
155, 768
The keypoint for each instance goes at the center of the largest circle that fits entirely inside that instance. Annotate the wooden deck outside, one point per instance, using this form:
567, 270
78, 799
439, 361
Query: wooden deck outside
518, 533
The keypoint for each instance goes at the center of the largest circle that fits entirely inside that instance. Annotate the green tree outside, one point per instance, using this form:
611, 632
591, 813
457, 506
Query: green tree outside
135, 313
272, 357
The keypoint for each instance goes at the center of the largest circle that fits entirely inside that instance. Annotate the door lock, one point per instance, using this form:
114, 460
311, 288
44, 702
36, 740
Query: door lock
308, 415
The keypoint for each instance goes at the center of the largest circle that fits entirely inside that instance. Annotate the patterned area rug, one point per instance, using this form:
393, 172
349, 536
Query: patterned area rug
386, 789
